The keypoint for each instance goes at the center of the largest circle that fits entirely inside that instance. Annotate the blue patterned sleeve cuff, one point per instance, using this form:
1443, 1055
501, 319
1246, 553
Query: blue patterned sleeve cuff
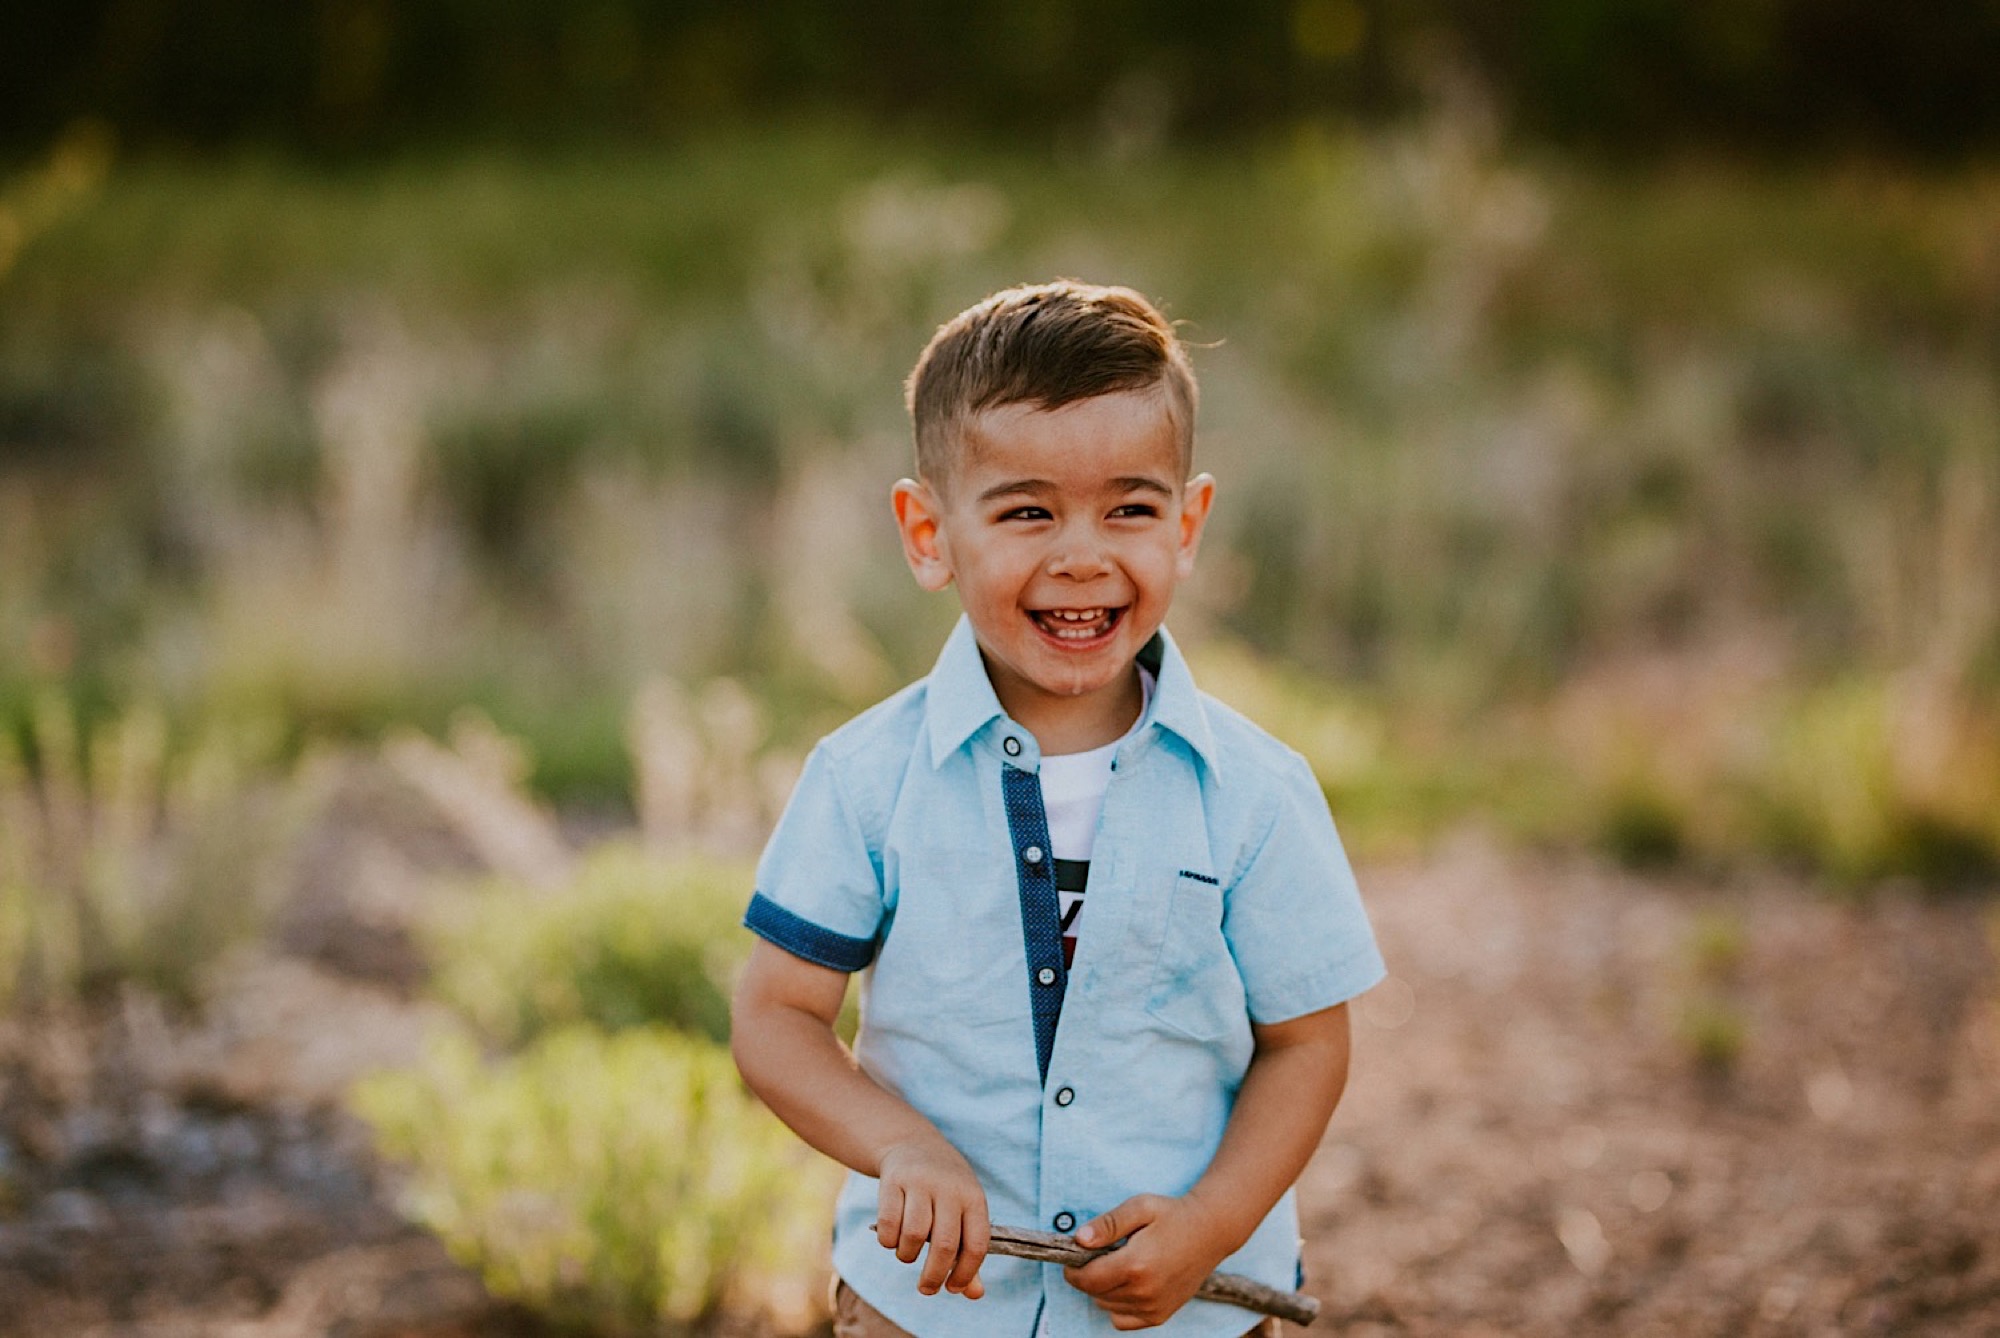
802, 938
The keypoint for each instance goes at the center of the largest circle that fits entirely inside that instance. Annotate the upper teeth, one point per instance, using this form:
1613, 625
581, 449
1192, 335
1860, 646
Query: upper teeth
1077, 615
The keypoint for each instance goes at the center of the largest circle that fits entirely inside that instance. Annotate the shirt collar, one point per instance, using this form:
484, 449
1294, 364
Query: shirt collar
959, 700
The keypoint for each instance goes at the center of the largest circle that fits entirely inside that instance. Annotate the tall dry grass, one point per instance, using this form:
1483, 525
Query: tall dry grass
128, 856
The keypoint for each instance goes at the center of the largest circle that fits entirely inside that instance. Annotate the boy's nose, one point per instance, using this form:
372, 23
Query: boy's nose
1079, 559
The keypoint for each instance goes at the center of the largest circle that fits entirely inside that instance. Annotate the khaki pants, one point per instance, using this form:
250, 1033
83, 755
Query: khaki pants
855, 1318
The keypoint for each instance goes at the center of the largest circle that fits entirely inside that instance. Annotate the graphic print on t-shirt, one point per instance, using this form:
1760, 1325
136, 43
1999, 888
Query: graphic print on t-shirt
1071, 875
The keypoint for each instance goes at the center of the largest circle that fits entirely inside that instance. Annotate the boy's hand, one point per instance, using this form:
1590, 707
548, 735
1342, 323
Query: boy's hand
929, 1194
1172, 1248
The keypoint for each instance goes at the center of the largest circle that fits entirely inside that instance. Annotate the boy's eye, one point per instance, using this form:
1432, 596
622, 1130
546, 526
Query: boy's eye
1026, 513
1136, 509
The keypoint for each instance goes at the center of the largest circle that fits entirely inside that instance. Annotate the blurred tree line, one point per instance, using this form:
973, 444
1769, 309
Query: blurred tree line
1621, 76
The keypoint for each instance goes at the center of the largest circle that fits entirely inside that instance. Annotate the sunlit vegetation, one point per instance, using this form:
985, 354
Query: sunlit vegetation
633, 940
615, 1183
1658, 513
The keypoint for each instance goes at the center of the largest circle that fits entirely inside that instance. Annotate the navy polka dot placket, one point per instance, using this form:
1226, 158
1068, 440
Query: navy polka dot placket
1041, 917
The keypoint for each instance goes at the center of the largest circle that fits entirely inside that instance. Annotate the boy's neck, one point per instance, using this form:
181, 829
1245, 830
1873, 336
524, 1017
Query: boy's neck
1073, 724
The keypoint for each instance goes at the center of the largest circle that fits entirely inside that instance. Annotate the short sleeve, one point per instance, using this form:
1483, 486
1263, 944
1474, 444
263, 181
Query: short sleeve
1293, 915
819, 893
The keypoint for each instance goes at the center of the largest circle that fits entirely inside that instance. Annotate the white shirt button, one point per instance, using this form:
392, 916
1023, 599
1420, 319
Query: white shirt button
1065, 1221
1011, 745
1046, 976
1065, 1095
1033, 854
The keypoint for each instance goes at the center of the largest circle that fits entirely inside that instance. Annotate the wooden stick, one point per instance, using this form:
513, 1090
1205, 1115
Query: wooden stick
1228, 1288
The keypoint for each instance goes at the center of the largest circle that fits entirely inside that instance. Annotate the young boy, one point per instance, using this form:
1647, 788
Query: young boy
1055, 825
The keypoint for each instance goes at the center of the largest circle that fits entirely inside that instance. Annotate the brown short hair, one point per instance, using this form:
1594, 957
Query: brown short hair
1048, 345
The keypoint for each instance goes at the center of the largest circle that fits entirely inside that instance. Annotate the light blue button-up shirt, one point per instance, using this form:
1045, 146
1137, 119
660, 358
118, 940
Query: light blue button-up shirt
1219, 895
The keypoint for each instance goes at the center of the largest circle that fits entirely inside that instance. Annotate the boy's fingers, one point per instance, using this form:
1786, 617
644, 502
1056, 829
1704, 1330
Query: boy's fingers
1101, 1279
889, 1216
916, 1229
942, 1255
972, 1249
1130, 1312
1120, 1222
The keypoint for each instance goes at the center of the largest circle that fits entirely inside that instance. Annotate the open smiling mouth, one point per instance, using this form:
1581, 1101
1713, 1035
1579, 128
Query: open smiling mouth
1078, 626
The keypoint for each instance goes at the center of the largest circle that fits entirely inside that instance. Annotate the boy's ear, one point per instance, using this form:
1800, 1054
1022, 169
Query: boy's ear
1196, 499
917, 517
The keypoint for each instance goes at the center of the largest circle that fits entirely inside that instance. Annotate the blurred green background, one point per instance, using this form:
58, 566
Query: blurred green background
1605, 396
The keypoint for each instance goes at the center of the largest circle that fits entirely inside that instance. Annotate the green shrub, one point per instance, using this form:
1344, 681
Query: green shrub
1714, 1033
618, 1184
1641, 828
635, 939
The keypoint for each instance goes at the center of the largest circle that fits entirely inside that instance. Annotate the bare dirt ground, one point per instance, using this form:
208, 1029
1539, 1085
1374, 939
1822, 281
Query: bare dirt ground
1532, 1142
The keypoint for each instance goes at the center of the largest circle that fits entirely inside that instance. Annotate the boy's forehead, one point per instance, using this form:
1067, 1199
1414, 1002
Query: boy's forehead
1122, 424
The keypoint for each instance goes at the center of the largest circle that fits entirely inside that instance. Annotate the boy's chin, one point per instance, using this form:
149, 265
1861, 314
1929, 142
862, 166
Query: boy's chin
1111, 672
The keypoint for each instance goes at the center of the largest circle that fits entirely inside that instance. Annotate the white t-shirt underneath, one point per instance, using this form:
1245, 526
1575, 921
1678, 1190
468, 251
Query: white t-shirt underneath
1073, 786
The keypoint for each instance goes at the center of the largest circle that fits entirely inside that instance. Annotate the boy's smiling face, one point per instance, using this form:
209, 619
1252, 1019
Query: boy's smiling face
1066, 531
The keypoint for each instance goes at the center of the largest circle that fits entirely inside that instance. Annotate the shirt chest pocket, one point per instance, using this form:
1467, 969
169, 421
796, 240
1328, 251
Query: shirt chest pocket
1195, 988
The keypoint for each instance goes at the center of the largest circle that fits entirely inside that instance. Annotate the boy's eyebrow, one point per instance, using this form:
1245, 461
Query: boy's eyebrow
1141, 483
1022, 487
1041, 487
